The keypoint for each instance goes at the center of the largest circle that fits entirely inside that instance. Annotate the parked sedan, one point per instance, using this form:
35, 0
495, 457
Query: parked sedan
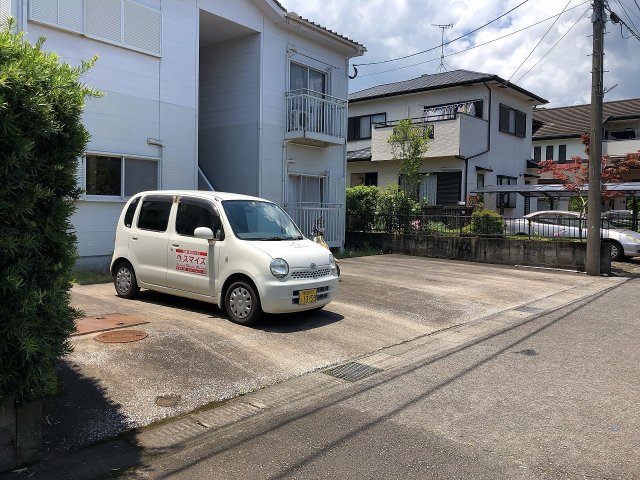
564, 224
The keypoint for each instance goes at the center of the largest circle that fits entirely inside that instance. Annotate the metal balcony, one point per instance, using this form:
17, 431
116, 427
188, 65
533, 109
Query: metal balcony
315, 118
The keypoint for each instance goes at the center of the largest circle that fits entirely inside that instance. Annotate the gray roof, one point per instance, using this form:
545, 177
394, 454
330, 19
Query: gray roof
436, 81
565, 122
359, 155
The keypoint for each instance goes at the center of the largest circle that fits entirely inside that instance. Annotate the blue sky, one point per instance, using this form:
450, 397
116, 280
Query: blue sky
394, 28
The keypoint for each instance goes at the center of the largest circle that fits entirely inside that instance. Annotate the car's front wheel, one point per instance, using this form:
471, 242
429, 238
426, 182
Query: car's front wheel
242, 303
617, 252
124, 279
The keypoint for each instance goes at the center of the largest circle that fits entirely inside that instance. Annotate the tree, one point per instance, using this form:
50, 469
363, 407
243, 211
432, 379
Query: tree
41, 137
575, 175
409, 142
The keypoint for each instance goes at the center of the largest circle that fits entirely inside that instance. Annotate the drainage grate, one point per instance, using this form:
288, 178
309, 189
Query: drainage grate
529, 309
352, 371
121, 336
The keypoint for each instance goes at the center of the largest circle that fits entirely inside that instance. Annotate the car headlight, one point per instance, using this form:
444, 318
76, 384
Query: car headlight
631, 238
279, 268
332, 264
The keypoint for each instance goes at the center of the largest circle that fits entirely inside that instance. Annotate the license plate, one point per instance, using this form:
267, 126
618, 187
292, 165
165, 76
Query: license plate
308, 296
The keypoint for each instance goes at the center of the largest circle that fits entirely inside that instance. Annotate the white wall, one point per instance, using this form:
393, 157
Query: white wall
229, 114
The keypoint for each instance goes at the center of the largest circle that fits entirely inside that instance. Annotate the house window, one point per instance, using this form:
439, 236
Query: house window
626, 134
480, 180
307, 190
115, 176
537, 154
507, 200
359, 128
562, 154
302, 77
512, 121
368, 179
549, 152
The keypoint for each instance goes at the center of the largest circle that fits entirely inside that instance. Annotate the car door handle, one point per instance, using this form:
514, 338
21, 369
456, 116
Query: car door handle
175, 244
134, 237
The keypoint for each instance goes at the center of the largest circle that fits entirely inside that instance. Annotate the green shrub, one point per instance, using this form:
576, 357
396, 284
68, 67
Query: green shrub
41, 137
395, 209
487, 222
361, 206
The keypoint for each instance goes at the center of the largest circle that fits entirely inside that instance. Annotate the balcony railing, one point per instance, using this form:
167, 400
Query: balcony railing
315, 118
450, 135
329, 216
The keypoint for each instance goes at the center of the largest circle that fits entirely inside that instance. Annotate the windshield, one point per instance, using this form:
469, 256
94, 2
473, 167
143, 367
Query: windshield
256, 220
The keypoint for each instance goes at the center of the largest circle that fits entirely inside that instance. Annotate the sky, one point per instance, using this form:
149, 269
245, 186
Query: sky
395, 28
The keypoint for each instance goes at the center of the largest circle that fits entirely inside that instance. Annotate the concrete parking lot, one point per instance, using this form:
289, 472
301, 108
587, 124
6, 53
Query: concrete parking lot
194, 352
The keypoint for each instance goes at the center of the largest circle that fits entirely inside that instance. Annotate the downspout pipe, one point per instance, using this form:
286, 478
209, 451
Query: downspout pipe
488, 149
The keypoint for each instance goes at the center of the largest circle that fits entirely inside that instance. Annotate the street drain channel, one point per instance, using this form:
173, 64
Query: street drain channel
527, 309
121, 336
352, 371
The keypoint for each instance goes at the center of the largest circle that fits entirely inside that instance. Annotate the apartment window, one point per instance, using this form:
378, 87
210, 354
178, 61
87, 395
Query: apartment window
537, 154
562, 154
359, 128
549, 152
302, 77
626, 134
480, 180
122, 22
119, 176
507, 200
512, 121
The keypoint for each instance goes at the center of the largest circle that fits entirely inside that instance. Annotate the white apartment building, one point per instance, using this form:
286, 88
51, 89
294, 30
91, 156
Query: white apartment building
240, 96
480, 135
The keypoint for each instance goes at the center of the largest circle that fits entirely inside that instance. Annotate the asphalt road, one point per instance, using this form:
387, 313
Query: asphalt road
554, 397
193, 352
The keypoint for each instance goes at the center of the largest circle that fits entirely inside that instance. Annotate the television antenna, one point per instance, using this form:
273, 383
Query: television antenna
442, 68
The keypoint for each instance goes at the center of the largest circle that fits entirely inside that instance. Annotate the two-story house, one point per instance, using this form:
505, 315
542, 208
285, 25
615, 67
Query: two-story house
479, 128
557, 136
238, 95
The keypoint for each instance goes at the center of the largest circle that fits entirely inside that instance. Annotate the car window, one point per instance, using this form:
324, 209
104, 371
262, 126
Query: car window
131, 210
258, 220
154, 213
193, 213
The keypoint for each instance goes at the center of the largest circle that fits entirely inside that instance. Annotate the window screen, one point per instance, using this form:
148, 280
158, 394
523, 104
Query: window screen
154, 213
562, 154
537, 154
140, 175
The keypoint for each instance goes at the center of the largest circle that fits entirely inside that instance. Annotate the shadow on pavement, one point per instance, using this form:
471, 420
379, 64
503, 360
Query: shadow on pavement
629, 268
80, 415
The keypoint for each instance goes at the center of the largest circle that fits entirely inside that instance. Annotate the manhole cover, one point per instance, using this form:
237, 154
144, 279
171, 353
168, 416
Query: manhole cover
352, 371
121, 336
168, 400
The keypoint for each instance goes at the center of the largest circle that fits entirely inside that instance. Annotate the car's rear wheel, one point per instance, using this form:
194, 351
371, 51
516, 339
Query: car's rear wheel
242, 303
124, 279
617, 252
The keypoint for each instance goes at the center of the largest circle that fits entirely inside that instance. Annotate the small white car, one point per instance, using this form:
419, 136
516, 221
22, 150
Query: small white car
242, 253
565, 224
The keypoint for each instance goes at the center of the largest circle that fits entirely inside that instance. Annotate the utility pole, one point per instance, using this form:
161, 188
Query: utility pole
595, 147
442, 68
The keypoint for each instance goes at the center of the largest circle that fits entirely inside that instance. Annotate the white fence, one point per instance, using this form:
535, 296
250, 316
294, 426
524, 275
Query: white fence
328, 216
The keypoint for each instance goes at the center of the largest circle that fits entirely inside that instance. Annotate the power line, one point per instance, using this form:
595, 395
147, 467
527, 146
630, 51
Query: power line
615, 18
540, 41
447, 43
554, 45
475, 46
627, 14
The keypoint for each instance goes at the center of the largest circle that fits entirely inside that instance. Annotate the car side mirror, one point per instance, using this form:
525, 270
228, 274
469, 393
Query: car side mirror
219, 234
203, 232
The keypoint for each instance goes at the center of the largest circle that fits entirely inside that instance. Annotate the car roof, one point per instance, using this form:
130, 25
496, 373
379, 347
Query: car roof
553, 212
204, 194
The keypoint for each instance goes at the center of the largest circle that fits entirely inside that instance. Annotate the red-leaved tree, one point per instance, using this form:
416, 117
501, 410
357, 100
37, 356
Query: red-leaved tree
575, 175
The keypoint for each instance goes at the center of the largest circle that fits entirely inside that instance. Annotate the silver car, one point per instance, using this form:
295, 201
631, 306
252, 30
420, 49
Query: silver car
564, 224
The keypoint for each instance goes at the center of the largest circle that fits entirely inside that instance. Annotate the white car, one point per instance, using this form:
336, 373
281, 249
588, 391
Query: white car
242, 253
559, 223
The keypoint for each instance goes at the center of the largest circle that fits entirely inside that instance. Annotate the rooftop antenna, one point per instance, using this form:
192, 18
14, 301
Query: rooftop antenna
442, 68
